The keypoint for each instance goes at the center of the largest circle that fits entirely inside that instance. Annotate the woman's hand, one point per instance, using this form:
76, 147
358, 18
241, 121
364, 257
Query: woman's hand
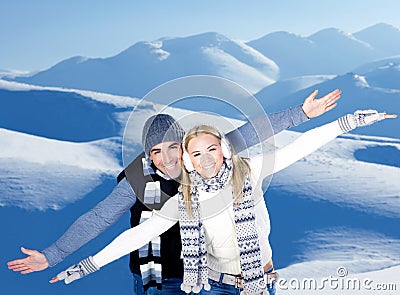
362, 118
77, 271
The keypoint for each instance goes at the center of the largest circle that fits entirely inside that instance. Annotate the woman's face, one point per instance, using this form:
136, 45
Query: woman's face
206, 154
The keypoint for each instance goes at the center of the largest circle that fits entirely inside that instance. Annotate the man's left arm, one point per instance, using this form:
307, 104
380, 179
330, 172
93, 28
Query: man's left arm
257, 130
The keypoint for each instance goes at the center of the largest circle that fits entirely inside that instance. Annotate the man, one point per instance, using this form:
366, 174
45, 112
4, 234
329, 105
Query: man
162, 135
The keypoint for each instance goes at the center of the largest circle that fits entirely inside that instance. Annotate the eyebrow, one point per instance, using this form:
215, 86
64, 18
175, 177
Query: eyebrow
155, 150
159, 150
206, 148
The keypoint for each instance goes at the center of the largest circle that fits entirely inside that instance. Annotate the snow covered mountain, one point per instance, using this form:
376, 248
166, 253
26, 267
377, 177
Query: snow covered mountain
384, 38
329, 51
373, 86
254, 65
145, 65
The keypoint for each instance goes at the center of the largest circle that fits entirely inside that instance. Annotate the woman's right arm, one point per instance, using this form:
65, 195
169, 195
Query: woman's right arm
134, 238
128, 241
313, 139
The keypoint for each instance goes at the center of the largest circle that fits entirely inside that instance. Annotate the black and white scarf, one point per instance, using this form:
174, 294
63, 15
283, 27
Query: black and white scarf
193, 237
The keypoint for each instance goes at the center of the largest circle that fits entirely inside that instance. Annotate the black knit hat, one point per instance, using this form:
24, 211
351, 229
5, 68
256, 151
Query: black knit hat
160, 128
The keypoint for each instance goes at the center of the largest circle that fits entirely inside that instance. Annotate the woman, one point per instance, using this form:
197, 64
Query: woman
228, 251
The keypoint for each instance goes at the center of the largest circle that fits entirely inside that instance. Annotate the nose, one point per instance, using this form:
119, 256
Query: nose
206, 160
168, 157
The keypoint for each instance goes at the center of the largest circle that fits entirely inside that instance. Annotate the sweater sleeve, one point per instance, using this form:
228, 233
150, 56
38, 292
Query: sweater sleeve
307, 143
92, 223
246, 135
134, 238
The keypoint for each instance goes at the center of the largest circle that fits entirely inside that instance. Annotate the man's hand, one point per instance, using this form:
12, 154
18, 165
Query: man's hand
36, 261
314, 107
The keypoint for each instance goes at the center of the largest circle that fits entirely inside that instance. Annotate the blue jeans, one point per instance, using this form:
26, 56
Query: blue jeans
169, 286
137, 285
218, 288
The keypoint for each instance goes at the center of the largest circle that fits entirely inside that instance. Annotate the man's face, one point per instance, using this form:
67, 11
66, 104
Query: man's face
166, 156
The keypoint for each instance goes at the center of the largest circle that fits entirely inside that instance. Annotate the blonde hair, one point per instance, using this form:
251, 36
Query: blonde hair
239, 164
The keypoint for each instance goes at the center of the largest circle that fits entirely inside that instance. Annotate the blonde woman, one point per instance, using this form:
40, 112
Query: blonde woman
224, 251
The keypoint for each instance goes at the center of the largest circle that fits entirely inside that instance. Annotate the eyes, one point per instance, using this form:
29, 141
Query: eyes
197, 154
157, 151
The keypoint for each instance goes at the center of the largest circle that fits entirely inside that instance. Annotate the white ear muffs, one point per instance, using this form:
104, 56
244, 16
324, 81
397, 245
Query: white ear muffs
225, 147
186, 161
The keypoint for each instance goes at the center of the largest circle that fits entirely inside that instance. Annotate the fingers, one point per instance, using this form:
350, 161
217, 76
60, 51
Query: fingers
27, 251
15, 263
54, 280
312, 96
20, 267
71, 278
330, 107
29, 270
331, 97
62, 275
390, 116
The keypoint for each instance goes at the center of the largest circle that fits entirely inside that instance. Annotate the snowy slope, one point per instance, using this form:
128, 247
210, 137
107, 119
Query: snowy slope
146, 65
40, 173
63, 114
327, 281
342, 254
338, 207
357, 171
382, 73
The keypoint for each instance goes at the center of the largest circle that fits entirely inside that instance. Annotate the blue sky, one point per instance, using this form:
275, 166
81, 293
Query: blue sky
37, 34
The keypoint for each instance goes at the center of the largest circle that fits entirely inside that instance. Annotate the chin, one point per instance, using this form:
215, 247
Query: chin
174, 173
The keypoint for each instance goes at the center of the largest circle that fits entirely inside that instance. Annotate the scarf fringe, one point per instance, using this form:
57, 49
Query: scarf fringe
195, 289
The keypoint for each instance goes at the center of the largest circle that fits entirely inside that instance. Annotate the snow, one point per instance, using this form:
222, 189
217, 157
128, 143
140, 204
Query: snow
233, 69
40, 173
333, 174
145, 65
328, 281
116, 100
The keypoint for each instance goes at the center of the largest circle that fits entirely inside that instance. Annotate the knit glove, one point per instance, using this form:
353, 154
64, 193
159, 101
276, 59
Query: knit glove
77, 271
359, 118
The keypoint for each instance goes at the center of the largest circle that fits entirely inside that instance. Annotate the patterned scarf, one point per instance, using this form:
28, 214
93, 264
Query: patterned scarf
193, 238
150, 261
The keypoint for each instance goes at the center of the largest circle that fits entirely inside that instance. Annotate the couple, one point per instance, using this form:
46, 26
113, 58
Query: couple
233, 174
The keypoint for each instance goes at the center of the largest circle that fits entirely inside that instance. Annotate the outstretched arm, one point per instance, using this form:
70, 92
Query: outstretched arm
84, 229
257, 130
315, 138
130, 240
